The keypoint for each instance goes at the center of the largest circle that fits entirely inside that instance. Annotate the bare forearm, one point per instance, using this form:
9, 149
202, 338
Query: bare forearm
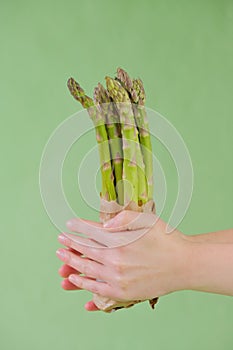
211, 267
224, 236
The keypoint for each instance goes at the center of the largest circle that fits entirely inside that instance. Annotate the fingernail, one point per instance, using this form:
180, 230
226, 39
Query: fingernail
72, 278
69, 223
62, 239
61, 254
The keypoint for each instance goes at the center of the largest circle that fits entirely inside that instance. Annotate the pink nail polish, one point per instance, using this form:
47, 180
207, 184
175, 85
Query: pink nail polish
61, 254
62, 238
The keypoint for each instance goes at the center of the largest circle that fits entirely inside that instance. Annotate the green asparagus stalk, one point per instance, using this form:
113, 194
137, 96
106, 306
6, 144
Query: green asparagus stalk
133, 166
145, 139
136, 92
108, 189
112, 121
119, 127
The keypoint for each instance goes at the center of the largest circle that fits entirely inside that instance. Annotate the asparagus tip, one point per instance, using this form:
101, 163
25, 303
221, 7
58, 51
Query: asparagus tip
78, 93
125, 79
73, 86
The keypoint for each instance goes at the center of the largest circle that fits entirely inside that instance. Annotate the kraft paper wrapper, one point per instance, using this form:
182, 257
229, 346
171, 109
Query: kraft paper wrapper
107, 211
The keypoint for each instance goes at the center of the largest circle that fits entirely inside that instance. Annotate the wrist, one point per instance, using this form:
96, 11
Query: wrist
188, 265
181, 252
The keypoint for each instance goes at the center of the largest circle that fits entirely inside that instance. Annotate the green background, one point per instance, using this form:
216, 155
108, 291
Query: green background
183, 52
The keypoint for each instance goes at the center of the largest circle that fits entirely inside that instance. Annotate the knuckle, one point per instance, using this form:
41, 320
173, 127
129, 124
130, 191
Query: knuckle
117, 256
114, 262
118, 279
121, 281
120, 269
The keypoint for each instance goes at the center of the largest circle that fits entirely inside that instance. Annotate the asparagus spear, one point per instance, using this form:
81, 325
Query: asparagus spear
102, 98
136, 92
145, 139
132, 163
108, 189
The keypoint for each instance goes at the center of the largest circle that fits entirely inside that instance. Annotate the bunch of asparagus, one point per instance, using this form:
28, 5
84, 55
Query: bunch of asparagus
122, 132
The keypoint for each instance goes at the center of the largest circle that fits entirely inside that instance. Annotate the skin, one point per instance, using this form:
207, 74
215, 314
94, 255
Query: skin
155, 264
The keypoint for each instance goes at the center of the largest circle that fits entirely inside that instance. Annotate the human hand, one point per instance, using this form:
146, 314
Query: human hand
153, 265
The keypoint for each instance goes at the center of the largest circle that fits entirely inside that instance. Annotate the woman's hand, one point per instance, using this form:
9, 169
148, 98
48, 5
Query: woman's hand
151, 266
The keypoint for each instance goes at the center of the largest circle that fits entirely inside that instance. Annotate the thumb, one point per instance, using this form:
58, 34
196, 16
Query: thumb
130, 220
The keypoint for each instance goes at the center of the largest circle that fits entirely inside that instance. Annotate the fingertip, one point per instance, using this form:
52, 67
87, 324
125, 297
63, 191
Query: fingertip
87, 306
61, 238
90, 306
67, 285
109, 224
61, 271
70, 223
63, 284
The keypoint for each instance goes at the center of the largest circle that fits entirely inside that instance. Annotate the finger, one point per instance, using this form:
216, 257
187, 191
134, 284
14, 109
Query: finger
90, 306
130, 220
103, 235
93, 223
91, 285
84, 241
66, 270
67, 285
80, 246
92, 229
85, 266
